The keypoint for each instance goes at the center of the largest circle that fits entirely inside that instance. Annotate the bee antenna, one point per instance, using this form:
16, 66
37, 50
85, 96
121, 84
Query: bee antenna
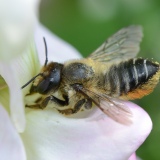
40, 74
46, 51
46, 61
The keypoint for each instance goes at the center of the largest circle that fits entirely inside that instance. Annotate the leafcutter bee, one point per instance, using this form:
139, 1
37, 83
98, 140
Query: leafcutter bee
107, 76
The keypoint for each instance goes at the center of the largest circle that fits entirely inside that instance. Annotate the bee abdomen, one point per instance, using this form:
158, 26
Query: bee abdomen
128, 75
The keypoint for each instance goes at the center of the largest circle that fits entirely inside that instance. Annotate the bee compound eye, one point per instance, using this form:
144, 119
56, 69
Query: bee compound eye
43, 86
50, 83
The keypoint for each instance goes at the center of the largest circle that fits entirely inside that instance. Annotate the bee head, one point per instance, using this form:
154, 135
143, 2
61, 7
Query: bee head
49, 80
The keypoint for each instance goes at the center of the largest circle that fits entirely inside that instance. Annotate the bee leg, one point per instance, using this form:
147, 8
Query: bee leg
59, 102
34, 106
43, 104
88, 104
76, 108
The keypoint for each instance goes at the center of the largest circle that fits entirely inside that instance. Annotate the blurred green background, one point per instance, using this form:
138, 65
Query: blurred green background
87, 23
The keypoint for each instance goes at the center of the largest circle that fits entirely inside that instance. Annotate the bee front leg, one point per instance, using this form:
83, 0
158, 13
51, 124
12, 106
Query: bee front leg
44, 102
34, 106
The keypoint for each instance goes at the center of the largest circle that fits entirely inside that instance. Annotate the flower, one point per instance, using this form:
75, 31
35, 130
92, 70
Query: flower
47, 134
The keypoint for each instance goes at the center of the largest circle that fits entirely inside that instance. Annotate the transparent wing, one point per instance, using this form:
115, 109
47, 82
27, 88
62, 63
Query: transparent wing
112, 107
117, 110
122, 45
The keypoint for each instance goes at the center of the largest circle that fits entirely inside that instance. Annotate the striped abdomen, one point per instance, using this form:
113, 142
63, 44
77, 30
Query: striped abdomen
130, 76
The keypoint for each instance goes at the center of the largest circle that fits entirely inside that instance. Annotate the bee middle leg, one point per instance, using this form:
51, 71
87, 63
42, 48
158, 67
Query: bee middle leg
87, 103
59, 102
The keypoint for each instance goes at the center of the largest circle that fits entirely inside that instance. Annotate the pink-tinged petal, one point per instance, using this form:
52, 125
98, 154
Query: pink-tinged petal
133, 157
58, 50
11, 147
50, 135
18, 20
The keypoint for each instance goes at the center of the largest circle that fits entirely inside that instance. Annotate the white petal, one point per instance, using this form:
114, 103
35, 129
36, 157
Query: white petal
16, 73
18, 19
58, 50
11, 147
49, 135
16, 99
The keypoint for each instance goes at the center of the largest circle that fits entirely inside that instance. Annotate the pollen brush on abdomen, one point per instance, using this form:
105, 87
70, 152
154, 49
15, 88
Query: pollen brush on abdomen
132, 79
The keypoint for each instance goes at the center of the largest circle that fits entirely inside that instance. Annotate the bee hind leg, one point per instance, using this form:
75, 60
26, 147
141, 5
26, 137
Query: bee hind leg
87, 103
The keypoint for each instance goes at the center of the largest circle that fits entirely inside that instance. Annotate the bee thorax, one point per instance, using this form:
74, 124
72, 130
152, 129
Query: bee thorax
77, 72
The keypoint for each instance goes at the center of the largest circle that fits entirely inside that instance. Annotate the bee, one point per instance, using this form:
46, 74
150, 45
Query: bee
106, 77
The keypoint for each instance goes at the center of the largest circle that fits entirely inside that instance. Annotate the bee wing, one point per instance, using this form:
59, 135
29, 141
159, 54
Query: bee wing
122, 45
116, 109
112, 107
